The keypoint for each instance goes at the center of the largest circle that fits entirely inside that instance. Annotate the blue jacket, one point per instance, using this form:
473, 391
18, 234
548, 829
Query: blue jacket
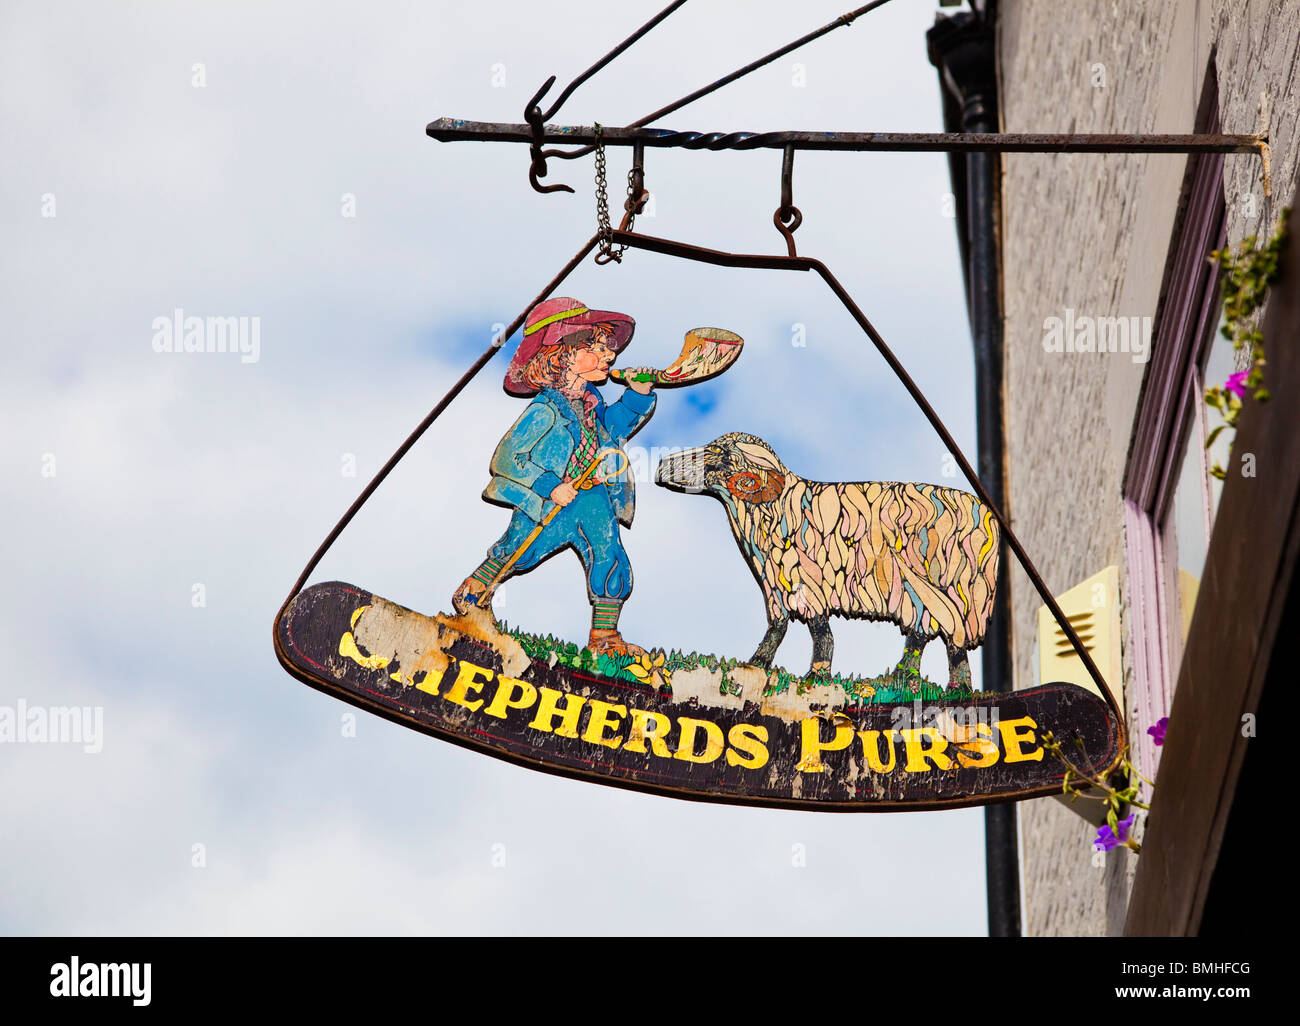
531, 459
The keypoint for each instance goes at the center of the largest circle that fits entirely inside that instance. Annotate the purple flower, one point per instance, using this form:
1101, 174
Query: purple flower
1107, 839
1158, 731
1236, 384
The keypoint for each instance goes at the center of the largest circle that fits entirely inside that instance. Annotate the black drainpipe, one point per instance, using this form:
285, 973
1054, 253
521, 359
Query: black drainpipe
962, 48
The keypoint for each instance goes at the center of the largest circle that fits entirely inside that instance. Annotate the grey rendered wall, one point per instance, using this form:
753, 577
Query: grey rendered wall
1091, 233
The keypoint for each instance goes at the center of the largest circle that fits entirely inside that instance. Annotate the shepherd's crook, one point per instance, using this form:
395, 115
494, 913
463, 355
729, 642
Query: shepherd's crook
532, 535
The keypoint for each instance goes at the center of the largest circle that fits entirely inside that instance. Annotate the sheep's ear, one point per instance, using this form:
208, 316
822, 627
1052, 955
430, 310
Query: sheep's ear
748, 486
759, 456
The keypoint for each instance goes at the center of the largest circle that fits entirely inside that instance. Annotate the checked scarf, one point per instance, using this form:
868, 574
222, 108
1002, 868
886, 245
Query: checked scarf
583, 454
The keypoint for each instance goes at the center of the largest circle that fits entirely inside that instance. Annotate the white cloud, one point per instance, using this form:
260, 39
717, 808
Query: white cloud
176, 470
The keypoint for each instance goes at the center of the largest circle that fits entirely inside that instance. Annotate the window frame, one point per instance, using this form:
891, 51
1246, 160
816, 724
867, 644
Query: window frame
1194, 409
1171, 406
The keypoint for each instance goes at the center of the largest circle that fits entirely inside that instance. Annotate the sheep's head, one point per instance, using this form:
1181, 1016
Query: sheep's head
736, 467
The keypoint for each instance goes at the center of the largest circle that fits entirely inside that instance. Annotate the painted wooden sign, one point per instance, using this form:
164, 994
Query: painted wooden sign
681, 726
922, 557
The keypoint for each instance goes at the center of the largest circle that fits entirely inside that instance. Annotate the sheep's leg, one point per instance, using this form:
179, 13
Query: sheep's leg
770, 643
908, 670
823, 646
958, 668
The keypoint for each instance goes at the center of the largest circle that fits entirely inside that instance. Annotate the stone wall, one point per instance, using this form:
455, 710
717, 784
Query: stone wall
1091, 233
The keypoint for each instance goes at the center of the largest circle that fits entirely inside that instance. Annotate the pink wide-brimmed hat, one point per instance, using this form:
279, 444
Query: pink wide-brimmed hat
555, 322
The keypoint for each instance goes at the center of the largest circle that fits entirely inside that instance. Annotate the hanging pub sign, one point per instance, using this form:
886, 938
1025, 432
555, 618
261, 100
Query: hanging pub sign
714, 727
744, 730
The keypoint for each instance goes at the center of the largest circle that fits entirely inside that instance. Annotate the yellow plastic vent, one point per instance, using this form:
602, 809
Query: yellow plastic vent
1092, 608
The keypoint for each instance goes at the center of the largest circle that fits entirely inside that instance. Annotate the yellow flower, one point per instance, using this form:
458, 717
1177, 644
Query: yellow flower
649, 666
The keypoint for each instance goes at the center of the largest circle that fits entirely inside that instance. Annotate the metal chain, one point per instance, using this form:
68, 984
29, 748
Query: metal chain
603, 229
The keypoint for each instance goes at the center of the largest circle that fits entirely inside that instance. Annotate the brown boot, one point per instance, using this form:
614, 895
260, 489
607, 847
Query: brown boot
470, 595
612, 643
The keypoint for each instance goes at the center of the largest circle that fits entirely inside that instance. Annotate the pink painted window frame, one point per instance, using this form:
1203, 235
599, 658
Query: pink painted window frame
1167, 411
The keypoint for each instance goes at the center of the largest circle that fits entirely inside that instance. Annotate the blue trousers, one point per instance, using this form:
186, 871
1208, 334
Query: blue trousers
590, 525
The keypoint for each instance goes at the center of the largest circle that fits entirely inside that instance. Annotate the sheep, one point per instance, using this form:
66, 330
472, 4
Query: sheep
918, 555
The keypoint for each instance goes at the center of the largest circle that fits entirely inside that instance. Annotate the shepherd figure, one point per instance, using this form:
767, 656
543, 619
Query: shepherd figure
562, 468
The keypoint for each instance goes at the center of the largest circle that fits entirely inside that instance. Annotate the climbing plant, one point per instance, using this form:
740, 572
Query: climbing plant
1119, 791
1247, 275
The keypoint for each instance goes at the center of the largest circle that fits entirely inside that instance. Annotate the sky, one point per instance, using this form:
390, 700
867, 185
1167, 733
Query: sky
269, 161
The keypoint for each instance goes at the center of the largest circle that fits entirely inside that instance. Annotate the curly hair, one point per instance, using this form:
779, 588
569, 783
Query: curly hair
548, 366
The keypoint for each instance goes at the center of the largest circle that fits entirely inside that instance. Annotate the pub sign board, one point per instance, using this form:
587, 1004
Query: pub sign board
700, 725
457, 678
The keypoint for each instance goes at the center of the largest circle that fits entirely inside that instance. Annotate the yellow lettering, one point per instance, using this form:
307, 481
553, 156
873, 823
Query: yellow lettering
467, 681
750, 740
429, 683
652, 727
1013, 738
686, 745
917, 753
600, 722
871, 749
348, 647
547, 712
981, 746
511, 694
813, 746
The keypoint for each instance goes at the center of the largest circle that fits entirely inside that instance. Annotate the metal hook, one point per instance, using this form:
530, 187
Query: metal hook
787, 211
537, 166
535, 118
636, 190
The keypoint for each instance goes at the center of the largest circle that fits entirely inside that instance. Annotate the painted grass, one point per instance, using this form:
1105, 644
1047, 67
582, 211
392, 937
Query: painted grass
893, 686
